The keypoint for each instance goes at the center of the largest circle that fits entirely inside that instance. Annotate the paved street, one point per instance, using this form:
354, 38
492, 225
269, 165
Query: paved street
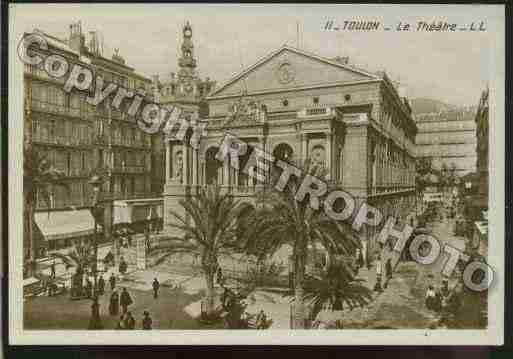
402, 304
167, 311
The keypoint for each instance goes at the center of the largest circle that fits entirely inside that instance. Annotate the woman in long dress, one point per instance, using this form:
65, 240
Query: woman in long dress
114, 303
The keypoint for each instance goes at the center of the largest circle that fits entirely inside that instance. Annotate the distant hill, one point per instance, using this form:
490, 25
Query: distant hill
428, 105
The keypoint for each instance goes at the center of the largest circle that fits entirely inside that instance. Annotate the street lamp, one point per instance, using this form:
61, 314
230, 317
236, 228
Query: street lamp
96, 181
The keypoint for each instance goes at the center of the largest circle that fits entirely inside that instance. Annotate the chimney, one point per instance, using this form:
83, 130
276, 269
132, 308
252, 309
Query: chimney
172, 75
76, 38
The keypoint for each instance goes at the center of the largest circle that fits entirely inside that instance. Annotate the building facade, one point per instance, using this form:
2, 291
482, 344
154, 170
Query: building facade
300, 106
480, 200
78, 138
448, 139
482, 146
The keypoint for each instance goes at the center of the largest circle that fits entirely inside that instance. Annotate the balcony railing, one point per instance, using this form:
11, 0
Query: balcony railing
62, 140
42, 74
316, 111
121, 141
130, 169
58, 109
134, 195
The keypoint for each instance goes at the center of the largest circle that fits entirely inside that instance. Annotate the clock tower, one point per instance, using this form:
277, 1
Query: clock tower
187, 77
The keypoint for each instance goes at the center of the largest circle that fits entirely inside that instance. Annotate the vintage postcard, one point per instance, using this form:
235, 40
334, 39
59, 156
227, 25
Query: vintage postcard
256, 174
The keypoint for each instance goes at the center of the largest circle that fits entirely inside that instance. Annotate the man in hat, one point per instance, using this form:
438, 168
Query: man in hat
101, 285
156, 286
112, 281
147, 322
125, 300
379, 269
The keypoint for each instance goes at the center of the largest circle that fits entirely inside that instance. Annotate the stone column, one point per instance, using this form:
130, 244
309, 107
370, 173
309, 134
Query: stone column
226, 173
168, 160
194, 167
262, 143
329, 142
304, 147
185, 164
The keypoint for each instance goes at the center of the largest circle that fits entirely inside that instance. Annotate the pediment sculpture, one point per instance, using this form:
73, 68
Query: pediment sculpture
246, 110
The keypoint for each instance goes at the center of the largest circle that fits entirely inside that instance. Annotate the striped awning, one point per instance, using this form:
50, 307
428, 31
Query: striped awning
65, 224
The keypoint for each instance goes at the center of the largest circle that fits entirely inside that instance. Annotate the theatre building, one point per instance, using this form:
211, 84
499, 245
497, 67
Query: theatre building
301, 106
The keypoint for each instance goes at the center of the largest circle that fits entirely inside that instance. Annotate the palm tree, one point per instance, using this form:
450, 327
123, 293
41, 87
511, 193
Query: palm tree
209, 224
81, 257
335, 288
281, 219
39, 177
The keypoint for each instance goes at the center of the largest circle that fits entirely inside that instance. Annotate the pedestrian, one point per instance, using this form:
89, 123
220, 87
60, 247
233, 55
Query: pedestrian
114, 303
377, 286
444, 290
121, 322
388, 272
129, 321
95, 322
156, 286
112, 281
52, 270
125, 300
437, 303
101, 285
122, 266
89, 288
147, 322
430, 298
261, 320
359, 258
219, 276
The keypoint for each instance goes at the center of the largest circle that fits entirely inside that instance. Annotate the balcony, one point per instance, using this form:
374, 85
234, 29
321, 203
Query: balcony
317, 112
35, 71
129, 169
62, 140
58, 109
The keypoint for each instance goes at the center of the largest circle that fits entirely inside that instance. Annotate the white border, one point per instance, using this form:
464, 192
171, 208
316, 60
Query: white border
492, 336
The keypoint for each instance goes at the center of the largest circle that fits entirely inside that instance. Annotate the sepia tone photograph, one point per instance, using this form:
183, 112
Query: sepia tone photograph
191, 174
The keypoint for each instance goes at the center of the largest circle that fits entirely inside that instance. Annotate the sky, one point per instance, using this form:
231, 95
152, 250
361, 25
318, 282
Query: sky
451, 67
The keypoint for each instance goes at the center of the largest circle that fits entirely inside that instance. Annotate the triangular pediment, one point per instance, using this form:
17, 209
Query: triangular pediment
289, 68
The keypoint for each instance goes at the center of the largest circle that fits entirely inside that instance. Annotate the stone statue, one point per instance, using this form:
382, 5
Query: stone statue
179, 166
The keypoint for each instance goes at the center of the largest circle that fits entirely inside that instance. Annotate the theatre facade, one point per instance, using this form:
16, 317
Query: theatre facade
299, 106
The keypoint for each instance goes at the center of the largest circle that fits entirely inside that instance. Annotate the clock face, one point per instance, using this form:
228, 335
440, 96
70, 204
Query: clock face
188, 32
286, 73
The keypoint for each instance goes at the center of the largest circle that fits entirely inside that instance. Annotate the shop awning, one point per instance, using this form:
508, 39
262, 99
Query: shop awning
65, 224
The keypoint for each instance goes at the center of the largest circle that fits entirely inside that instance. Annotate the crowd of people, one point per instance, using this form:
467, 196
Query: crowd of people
443, 301
124, 301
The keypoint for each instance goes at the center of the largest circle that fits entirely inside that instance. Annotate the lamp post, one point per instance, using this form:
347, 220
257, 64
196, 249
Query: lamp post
96, 181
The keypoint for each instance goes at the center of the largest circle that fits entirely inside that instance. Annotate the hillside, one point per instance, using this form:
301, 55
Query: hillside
427, 105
